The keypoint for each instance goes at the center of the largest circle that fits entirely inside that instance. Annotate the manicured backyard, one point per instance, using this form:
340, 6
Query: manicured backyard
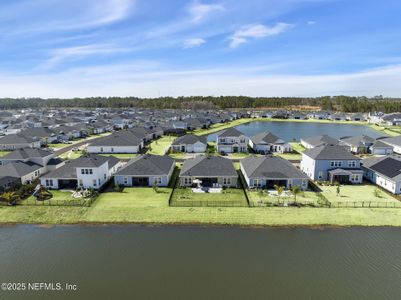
228, 197
357, 194
262, 197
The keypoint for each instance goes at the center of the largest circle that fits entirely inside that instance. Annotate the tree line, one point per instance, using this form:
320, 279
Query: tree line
332, 103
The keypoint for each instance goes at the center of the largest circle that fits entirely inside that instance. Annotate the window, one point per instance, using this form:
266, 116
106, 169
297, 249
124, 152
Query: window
90, 171
187, 181
80, 183
354, 177
227, 181
98, 181
105, 176
101, 149
335, 164
82, 171
157, 180
125, 180
320, 175
257, 183
94, 182
112, 149
352, 164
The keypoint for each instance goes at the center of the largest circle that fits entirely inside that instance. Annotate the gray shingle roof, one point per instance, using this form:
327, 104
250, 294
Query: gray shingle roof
16, 139
230, 132
321, 139
381, 144
327, 152
266, 137
120, 138
148, 165
26, 153
18, 168
215, 166
273, 167
68, 171
389, 166
357, 141
396, 140
189, 139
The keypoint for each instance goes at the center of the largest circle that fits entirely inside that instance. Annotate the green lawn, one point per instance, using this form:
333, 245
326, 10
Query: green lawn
226, 197
356, 193
58, 146
391, 131
71, 154
2, 153
256, 197
297, 147
161, 146
290, 156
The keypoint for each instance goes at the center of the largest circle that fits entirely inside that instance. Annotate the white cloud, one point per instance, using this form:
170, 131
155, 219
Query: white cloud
311, 22
193, 43
200, 11
57, 15
59, 55
147, 79
256, 31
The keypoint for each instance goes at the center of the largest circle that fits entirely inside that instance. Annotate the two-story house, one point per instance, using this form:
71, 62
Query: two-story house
332, 163
232, 140
88, 171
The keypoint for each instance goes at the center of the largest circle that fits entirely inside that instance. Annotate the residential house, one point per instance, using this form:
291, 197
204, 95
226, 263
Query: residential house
45, 135
87, 171
332, 163
394, 142
384, 171
118, 142
268, 171
267, 142
17, 141
358, 144
190, 143
380, 148
146, 170
319, 140
232, 140
209, 170
25, 172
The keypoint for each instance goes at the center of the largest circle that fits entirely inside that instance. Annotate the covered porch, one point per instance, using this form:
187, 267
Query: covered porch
343, 176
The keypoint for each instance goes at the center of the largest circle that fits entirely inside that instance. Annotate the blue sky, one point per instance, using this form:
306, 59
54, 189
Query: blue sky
150, 48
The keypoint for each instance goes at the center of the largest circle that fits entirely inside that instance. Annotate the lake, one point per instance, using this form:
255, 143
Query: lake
180, 262
297, 130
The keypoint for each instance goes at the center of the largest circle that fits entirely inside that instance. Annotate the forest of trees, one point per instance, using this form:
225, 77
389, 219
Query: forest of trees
336, 103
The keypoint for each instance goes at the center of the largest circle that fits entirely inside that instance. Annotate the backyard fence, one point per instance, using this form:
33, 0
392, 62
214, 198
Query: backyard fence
205, 203
366, 204
85, 202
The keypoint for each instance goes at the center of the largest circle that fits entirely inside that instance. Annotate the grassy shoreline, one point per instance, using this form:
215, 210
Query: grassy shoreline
218, 127
146, 206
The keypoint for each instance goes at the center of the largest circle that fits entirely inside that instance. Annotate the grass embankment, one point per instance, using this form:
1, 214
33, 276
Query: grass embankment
391, 131
144, 205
